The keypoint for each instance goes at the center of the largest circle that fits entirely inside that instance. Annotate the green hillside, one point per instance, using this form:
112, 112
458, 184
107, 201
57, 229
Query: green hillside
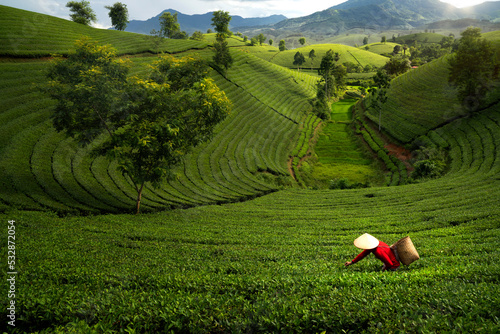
347, 54
247, 157
379, 48
423, 37
29, 34
275, 263
418, 101
41, 169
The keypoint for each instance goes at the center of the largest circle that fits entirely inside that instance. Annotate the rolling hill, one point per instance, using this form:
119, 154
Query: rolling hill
233, 260
30, 34
347, 54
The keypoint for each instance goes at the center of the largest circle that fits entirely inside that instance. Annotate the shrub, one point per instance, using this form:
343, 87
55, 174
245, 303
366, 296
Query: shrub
429, 169
430, 162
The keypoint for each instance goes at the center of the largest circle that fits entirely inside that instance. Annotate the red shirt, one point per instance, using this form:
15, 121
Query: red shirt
382, 252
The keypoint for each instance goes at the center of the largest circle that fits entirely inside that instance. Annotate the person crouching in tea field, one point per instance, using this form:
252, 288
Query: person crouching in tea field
380, 249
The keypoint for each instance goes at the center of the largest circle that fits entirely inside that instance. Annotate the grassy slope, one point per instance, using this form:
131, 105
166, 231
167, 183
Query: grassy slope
424, 37
418, 101
24, 33
347, 54
422, 99
274, 264
339, 154
43, 170
380, 48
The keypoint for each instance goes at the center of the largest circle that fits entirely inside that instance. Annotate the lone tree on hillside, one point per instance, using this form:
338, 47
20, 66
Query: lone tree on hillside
299, 59
332, 81
312, 55
302, 41
261, 38
220, 22
119, 15
82, 12
382, 82
197, 36
146, 126
326, 69
168, 25
473, 68
282, 45
222, 57
397, 66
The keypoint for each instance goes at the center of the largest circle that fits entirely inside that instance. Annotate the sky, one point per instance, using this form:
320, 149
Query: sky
145, 9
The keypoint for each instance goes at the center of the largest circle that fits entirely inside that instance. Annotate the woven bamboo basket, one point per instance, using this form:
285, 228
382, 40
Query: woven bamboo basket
405, 251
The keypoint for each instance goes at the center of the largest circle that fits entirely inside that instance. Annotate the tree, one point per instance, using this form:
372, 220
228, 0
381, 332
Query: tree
312, 55
271, 42
405, 47
396, 50
397, 66
365, 40
222, 57
326, 69
261, 38
302, 41
119, 15
384, 39
82, 12
382, 83
146, 126
299, 59
157, 39
168, 25
472, 68
220, 21
282, 45
197, 36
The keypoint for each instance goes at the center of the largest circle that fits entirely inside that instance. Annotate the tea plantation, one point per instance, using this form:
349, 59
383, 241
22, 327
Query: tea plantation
233, 245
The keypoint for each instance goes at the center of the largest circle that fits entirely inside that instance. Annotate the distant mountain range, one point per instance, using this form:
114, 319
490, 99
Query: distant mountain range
386, 14
365, 14
200, 22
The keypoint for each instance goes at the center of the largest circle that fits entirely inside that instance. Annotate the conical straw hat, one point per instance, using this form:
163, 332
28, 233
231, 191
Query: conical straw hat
366, 241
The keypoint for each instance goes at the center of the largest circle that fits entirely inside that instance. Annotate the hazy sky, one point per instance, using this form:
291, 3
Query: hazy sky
145, 9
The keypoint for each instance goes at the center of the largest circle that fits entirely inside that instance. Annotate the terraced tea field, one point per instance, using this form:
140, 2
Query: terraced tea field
275, 263
29, 34
247, 254
42, 169
418, 101
339, 155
